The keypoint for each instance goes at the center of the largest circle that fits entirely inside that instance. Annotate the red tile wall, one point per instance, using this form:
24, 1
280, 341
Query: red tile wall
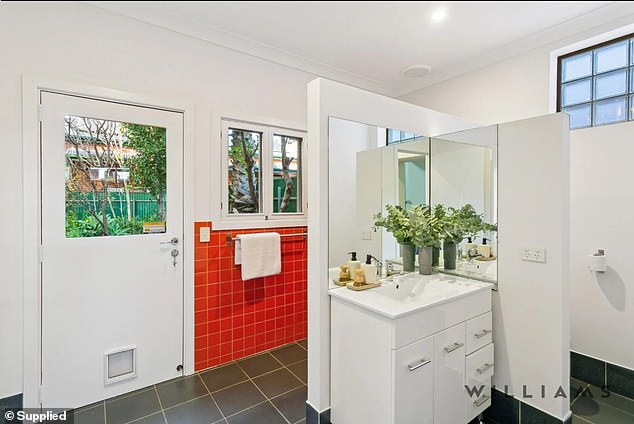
235, 318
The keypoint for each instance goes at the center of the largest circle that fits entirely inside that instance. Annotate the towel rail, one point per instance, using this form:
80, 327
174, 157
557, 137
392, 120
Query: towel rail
230, 239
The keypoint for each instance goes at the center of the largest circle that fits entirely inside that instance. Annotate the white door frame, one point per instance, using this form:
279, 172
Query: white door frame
31, 88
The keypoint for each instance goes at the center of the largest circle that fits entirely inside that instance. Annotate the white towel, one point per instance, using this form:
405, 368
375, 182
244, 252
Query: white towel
259, 254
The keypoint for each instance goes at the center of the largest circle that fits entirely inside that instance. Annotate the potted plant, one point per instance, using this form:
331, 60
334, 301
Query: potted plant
428, 224
398, 221
457, 224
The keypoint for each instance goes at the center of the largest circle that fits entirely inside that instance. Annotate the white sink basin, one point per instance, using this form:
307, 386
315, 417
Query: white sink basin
404, 294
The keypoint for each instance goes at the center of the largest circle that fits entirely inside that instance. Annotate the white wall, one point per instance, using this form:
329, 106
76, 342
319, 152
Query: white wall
530, 308
521, 87
602, 304
75, 42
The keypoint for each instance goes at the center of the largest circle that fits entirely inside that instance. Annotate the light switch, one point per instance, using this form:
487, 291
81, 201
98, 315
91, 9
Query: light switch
205, 234
366, 235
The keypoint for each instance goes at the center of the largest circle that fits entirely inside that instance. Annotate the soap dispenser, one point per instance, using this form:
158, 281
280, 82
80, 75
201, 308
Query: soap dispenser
353, 264
469, 245
369, 270
484, 249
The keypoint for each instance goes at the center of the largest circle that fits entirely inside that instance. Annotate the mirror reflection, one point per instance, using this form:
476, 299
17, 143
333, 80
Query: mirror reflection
371, 167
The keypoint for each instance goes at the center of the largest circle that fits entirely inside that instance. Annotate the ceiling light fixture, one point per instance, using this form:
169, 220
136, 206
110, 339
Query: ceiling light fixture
415, 71
439, 15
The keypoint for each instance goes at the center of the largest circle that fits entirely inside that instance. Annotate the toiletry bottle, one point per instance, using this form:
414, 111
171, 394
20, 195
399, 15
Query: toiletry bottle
369, 270
469, 245
484, 249
344, 275
353, 264
359, 277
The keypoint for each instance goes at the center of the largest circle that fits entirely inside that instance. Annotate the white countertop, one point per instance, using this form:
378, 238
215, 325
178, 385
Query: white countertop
405, 294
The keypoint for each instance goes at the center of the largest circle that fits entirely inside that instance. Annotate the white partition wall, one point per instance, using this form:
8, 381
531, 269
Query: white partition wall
326, 99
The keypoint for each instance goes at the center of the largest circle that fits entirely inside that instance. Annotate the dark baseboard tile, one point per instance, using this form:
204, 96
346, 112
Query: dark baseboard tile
587, 369
13, 403
314, 417
506, 409
620, 380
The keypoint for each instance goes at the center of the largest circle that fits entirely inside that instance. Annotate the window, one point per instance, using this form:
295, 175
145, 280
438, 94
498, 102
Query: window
596, 85
263, 178
396, 136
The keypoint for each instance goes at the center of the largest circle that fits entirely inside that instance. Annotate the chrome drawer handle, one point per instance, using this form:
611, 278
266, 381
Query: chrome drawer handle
417, 365
482, 333
484, 368
453, 347
482, 400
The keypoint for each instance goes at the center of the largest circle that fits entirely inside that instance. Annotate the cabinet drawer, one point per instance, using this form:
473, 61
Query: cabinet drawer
479, 332
478, 373
413, 390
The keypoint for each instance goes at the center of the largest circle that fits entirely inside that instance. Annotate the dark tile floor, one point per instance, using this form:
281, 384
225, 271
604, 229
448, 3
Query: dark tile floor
266, 388
594, 406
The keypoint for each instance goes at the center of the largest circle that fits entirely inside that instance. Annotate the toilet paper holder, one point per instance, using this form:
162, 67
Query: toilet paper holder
597, 261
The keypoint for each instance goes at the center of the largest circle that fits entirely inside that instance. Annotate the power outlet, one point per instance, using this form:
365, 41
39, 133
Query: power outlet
205, 234
366, 235
533, 254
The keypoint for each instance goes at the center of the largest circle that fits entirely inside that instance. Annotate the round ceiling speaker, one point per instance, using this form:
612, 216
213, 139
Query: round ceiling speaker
415, 71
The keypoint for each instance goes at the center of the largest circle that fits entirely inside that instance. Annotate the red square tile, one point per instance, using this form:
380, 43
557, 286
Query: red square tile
200, 355
214, 326
200, 343
200, 317
200, 304
213, 351
200, 279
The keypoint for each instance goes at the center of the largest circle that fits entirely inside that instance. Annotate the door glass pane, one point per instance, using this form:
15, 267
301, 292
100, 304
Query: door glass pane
632, 80
611, 57
244, 152
576, 92
287, 185
115, 178
578, 66
611, 84
579, 116
611, 110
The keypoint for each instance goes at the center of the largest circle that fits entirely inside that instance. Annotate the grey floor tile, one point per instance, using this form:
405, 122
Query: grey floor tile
221, 377
300, 369
598, 412
578, 420
181, 390
304, 343
198, 411
614, 400
301, 422
292, 404
157, 418
94, 414
236, 398
260, 414
257, 365
129, 408
277, 382
289, 354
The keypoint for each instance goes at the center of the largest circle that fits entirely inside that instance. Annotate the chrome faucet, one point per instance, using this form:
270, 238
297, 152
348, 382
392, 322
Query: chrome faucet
379, 265
389, 268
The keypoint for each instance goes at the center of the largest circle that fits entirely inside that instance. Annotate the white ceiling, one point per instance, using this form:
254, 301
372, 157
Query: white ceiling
366, 44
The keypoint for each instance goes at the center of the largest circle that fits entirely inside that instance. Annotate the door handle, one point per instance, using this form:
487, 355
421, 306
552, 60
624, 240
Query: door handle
453, 347
173, 241
484, 368
482, 400
417, 365
481, 334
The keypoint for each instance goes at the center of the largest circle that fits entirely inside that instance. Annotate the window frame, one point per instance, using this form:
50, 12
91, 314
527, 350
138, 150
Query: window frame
266, 215
629, 91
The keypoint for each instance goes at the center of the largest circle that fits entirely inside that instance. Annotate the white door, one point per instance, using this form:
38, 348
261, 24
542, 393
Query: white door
112, 293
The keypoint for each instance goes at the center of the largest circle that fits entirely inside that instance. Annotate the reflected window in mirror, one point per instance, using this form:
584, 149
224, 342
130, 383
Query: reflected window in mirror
395, 136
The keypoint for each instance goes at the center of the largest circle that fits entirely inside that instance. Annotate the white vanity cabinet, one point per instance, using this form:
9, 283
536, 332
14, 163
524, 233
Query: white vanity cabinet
410, 368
